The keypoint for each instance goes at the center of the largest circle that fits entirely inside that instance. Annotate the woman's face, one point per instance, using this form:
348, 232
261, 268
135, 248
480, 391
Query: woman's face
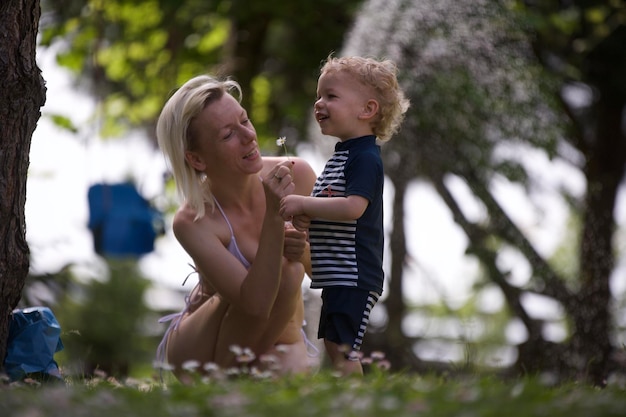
225, 139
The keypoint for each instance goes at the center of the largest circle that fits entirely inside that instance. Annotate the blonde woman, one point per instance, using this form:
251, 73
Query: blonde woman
250, 262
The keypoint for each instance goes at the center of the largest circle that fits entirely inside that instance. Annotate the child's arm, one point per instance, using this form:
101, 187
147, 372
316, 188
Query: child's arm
336, 208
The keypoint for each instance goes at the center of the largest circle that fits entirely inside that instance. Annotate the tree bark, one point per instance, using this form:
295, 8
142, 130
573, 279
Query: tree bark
606, 166
22, 94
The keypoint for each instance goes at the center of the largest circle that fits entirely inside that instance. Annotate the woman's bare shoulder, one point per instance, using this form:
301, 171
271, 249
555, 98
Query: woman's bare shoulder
184, 215
304, 176
302, 166
198, 235
185, 221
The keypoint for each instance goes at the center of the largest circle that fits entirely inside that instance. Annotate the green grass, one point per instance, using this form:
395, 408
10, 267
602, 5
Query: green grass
324, 394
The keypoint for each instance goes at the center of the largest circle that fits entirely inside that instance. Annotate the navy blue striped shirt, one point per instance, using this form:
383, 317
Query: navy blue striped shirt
350, 253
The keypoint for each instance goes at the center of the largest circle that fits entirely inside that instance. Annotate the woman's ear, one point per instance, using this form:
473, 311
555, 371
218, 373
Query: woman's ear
195, 161
370, 110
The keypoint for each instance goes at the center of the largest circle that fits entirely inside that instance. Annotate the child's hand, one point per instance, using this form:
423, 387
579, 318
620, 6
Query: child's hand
290, 206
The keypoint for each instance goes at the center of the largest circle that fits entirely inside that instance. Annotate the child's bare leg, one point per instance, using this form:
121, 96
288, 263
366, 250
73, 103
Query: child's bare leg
341, 363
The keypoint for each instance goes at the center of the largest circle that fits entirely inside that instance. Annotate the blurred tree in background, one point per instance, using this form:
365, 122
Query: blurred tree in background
489, 84
583, 44
103, 315
132, 54
104, 322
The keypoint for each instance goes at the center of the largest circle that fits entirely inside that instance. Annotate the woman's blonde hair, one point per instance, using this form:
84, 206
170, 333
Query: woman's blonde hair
175, 137
381, 76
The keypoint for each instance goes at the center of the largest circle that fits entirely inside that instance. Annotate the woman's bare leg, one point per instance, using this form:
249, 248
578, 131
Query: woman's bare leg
209, 332
262, 334
195, 337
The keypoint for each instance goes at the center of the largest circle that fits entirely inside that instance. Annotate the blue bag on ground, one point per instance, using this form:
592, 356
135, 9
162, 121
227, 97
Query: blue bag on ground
34, 338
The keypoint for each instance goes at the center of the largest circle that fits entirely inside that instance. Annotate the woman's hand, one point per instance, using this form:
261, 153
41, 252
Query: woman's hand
301, 222
295, 243
279, 180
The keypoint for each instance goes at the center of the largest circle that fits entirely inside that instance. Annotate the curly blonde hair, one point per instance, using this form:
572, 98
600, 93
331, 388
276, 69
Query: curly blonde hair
381, 76
175, 137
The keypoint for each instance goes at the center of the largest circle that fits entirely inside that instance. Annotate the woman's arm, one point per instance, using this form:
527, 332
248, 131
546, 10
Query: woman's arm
254, 290
304, 178
260, 288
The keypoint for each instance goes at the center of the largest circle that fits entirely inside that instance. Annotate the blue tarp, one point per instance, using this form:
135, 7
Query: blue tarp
122, 222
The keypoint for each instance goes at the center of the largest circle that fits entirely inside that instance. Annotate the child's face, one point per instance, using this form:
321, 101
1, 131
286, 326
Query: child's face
340, 101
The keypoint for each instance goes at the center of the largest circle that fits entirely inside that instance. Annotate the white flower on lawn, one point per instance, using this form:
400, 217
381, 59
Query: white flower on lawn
211, 367
378, 355
236, 350
191, 365
246, 356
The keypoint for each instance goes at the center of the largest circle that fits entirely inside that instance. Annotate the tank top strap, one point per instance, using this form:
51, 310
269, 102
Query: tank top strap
232, 246
232, 234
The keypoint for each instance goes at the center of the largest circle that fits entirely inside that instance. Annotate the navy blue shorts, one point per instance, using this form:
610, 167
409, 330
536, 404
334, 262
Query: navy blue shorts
345, 315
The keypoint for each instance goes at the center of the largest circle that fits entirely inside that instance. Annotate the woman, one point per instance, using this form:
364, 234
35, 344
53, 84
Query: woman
250, 262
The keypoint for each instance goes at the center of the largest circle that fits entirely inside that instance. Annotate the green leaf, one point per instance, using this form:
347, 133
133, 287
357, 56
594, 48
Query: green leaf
63, 122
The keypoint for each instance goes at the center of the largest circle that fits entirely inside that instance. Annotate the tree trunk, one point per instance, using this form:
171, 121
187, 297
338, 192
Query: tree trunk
244, 52
606, 163
22, 94
398, 348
